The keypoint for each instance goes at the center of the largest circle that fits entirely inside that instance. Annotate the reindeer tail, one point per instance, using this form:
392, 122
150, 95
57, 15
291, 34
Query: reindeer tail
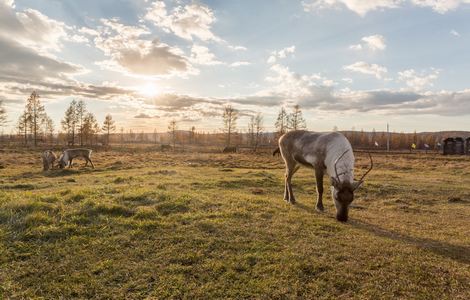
277, 151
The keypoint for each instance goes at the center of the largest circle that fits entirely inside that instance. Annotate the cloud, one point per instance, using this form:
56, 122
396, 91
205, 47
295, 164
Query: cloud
130, 53
418, 81
368, 69
188, 22
283, 53
362, 7
240, 64
26, 38
201, 55
31, 28
237, 48
18, 62
373, 42
454, 33
145, 116
175, 102
440, 6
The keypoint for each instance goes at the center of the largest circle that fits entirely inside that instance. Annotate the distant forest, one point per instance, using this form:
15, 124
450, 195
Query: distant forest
79, 127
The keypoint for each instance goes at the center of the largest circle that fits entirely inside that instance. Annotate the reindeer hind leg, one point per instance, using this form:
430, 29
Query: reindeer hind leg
291, 169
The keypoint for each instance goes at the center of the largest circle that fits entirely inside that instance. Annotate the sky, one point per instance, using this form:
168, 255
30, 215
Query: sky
347, 63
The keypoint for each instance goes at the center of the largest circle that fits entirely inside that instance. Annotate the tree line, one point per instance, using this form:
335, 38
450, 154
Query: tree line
80, 125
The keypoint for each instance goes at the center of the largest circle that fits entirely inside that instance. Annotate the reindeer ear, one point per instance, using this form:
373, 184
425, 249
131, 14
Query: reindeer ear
357, 184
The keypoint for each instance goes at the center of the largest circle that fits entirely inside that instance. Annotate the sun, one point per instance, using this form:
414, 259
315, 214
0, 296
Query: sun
149, 90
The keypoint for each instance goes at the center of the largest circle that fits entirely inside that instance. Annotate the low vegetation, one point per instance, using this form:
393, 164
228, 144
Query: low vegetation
174, 225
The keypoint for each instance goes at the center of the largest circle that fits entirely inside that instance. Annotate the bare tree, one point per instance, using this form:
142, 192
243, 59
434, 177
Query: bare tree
22, 126
108, 126
258, 129
69, 122
230, 118
295, 120
281, 122
3, 115
192, 135
90, 128
122, 135
81, 112
155, 135
37, 114
49, 129
251, 131
172, 127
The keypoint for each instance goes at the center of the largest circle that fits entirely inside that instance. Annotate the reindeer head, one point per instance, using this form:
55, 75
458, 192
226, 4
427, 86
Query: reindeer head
62, 164
343, 191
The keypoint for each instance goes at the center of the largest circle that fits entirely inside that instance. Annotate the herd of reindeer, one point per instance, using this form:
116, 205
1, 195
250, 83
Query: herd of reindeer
326, 153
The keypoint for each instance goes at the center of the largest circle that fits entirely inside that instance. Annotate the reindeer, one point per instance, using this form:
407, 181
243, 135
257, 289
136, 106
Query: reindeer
48, 159
68, 155
230, 149
329, 153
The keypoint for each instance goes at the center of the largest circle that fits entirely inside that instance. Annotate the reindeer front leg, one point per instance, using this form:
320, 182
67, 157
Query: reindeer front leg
319, 179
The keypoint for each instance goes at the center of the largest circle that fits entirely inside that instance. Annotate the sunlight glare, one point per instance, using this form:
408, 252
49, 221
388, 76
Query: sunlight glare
149, 90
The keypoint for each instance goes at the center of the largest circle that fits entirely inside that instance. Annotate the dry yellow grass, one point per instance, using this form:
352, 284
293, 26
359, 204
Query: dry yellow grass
179, 225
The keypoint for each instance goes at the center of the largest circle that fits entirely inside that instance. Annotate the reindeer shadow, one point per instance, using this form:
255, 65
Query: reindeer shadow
454, 252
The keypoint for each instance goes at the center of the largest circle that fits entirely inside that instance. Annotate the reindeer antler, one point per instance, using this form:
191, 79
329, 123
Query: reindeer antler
336, 162
370, 169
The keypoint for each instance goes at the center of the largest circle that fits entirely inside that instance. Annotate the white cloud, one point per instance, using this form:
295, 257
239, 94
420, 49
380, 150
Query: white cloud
283, 53
374, 42
237, 48
366, 68
130, 53
418, 81
454, 33
356, 47
240, 64
362, 7
189, 21
440, 6
201, 55
31, 28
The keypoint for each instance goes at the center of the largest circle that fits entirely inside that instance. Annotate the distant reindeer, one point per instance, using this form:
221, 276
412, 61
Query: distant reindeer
324, 152
68, 155
230, 150
48, 159
165, 147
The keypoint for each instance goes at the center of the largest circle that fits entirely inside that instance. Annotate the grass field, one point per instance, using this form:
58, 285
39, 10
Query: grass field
163, 225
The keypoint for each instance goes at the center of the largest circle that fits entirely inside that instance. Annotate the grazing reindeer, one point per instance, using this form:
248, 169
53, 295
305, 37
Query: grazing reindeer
324, 152
229, 149
48, 159
68, 155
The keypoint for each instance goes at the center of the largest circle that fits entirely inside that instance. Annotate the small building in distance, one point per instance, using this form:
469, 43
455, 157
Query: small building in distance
456, 146
459, 146
448, 146
467, 146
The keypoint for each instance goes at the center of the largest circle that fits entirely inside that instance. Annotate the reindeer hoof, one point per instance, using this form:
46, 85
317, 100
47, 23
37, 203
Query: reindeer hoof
292, 201
319, 208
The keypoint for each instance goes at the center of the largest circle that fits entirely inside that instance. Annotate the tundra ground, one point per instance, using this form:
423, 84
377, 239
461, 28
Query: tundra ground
163, 225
